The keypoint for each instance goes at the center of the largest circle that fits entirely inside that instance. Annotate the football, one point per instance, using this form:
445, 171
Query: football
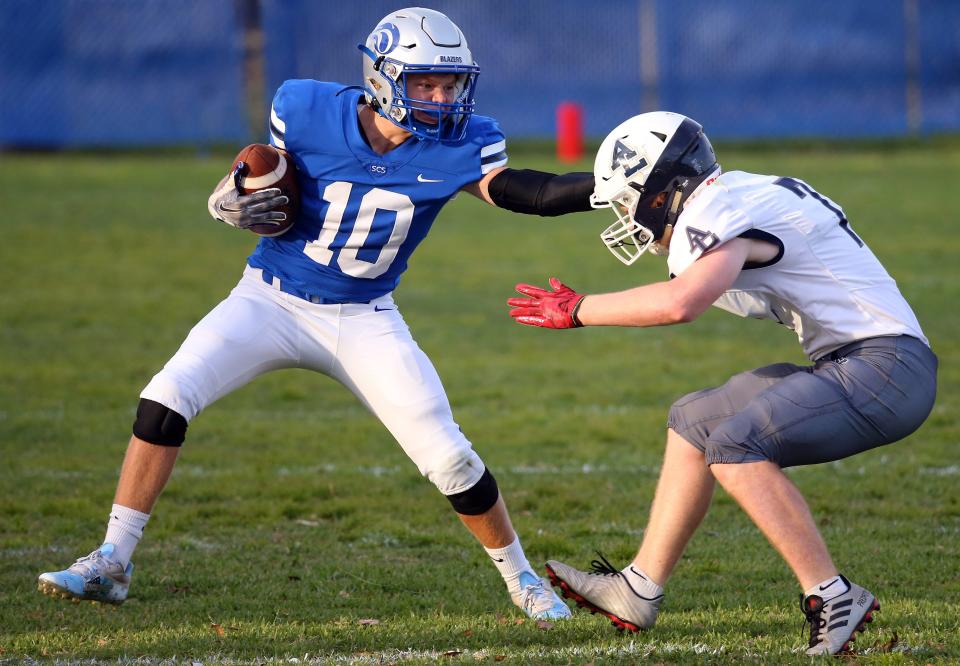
260, 166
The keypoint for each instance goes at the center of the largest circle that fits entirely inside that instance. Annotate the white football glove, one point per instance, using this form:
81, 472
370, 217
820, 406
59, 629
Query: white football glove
242, 211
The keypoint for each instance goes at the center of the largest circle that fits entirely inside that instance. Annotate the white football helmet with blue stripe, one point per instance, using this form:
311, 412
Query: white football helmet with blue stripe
419, 41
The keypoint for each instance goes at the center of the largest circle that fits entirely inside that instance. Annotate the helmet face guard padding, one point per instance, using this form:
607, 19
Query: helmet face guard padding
685, 162
419, 41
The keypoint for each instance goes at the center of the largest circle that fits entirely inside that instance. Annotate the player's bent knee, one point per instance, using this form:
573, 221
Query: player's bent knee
158, 424
451, 465
477, 499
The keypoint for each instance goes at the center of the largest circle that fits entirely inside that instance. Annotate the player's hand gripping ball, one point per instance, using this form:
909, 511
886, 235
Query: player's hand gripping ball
263, 168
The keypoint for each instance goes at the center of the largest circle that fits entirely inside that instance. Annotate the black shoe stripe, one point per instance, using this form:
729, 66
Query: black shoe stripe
843, 604
839, 614
837, 625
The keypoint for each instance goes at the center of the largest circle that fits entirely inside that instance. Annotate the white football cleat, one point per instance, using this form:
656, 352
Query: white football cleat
835, 623
95, 577
606, 591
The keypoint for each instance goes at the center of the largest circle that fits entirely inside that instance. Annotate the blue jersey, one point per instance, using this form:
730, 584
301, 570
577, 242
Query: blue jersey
362, 214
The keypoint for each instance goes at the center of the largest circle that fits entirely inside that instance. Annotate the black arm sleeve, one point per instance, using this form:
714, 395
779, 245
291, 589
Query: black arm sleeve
541, 193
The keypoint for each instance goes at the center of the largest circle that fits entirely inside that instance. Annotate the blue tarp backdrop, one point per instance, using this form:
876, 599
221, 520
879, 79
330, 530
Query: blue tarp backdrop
111, 72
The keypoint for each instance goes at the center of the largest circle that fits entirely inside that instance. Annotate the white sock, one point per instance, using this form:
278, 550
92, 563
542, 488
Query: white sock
124, 531
828, 589
641, 583
510, 562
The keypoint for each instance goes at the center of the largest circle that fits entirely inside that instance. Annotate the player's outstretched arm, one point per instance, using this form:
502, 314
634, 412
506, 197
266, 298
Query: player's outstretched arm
535, 192
680, 300
242, 211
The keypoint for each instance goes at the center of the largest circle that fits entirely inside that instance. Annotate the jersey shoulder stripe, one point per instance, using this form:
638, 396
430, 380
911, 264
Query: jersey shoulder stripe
485, 132
493, 149
494, 162
277, 129
493, 156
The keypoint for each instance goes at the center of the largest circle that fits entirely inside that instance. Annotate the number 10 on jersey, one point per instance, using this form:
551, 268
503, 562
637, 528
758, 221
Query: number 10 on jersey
337, 195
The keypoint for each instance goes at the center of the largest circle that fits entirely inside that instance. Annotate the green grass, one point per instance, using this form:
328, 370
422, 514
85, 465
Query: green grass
292, 515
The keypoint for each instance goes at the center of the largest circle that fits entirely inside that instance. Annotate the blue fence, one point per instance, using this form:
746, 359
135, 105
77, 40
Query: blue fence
113, 72
117, 72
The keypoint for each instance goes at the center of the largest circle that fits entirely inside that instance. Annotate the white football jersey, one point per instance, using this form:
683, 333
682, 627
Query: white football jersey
825, 283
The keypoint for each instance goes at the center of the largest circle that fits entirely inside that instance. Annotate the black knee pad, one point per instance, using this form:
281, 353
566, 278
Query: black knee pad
477, 499
159, 425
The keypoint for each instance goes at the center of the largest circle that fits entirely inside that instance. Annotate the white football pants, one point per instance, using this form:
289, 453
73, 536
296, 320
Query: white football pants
366, 347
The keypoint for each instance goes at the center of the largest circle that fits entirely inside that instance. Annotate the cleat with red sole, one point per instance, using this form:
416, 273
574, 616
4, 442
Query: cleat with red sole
607, 593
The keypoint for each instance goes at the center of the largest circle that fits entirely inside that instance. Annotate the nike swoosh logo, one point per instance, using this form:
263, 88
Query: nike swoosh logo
497, 559
421, 179
377, 308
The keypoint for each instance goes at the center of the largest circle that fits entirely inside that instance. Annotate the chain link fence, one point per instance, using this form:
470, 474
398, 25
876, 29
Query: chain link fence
117, 72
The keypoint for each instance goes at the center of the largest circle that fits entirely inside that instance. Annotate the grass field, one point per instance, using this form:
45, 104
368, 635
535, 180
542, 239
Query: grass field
292, 515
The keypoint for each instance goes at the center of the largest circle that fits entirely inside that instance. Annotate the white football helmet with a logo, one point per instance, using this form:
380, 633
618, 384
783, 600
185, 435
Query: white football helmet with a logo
642, 157
419, 41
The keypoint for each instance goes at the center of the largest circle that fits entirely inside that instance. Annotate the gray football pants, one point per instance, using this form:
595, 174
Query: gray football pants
866, 394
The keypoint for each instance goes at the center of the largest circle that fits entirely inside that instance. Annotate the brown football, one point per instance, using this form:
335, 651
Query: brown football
258, 167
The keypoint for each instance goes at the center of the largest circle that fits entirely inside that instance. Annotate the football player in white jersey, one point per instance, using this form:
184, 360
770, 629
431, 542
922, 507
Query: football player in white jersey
757, 246
375, 165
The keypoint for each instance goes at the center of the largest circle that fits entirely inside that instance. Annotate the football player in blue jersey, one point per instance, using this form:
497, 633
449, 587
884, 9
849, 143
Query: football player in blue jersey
375, 165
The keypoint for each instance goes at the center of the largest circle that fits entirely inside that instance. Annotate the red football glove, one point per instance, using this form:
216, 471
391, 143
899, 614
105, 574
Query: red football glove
549, 309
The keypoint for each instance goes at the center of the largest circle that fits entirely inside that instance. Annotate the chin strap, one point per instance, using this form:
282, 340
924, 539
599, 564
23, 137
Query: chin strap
673, 210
